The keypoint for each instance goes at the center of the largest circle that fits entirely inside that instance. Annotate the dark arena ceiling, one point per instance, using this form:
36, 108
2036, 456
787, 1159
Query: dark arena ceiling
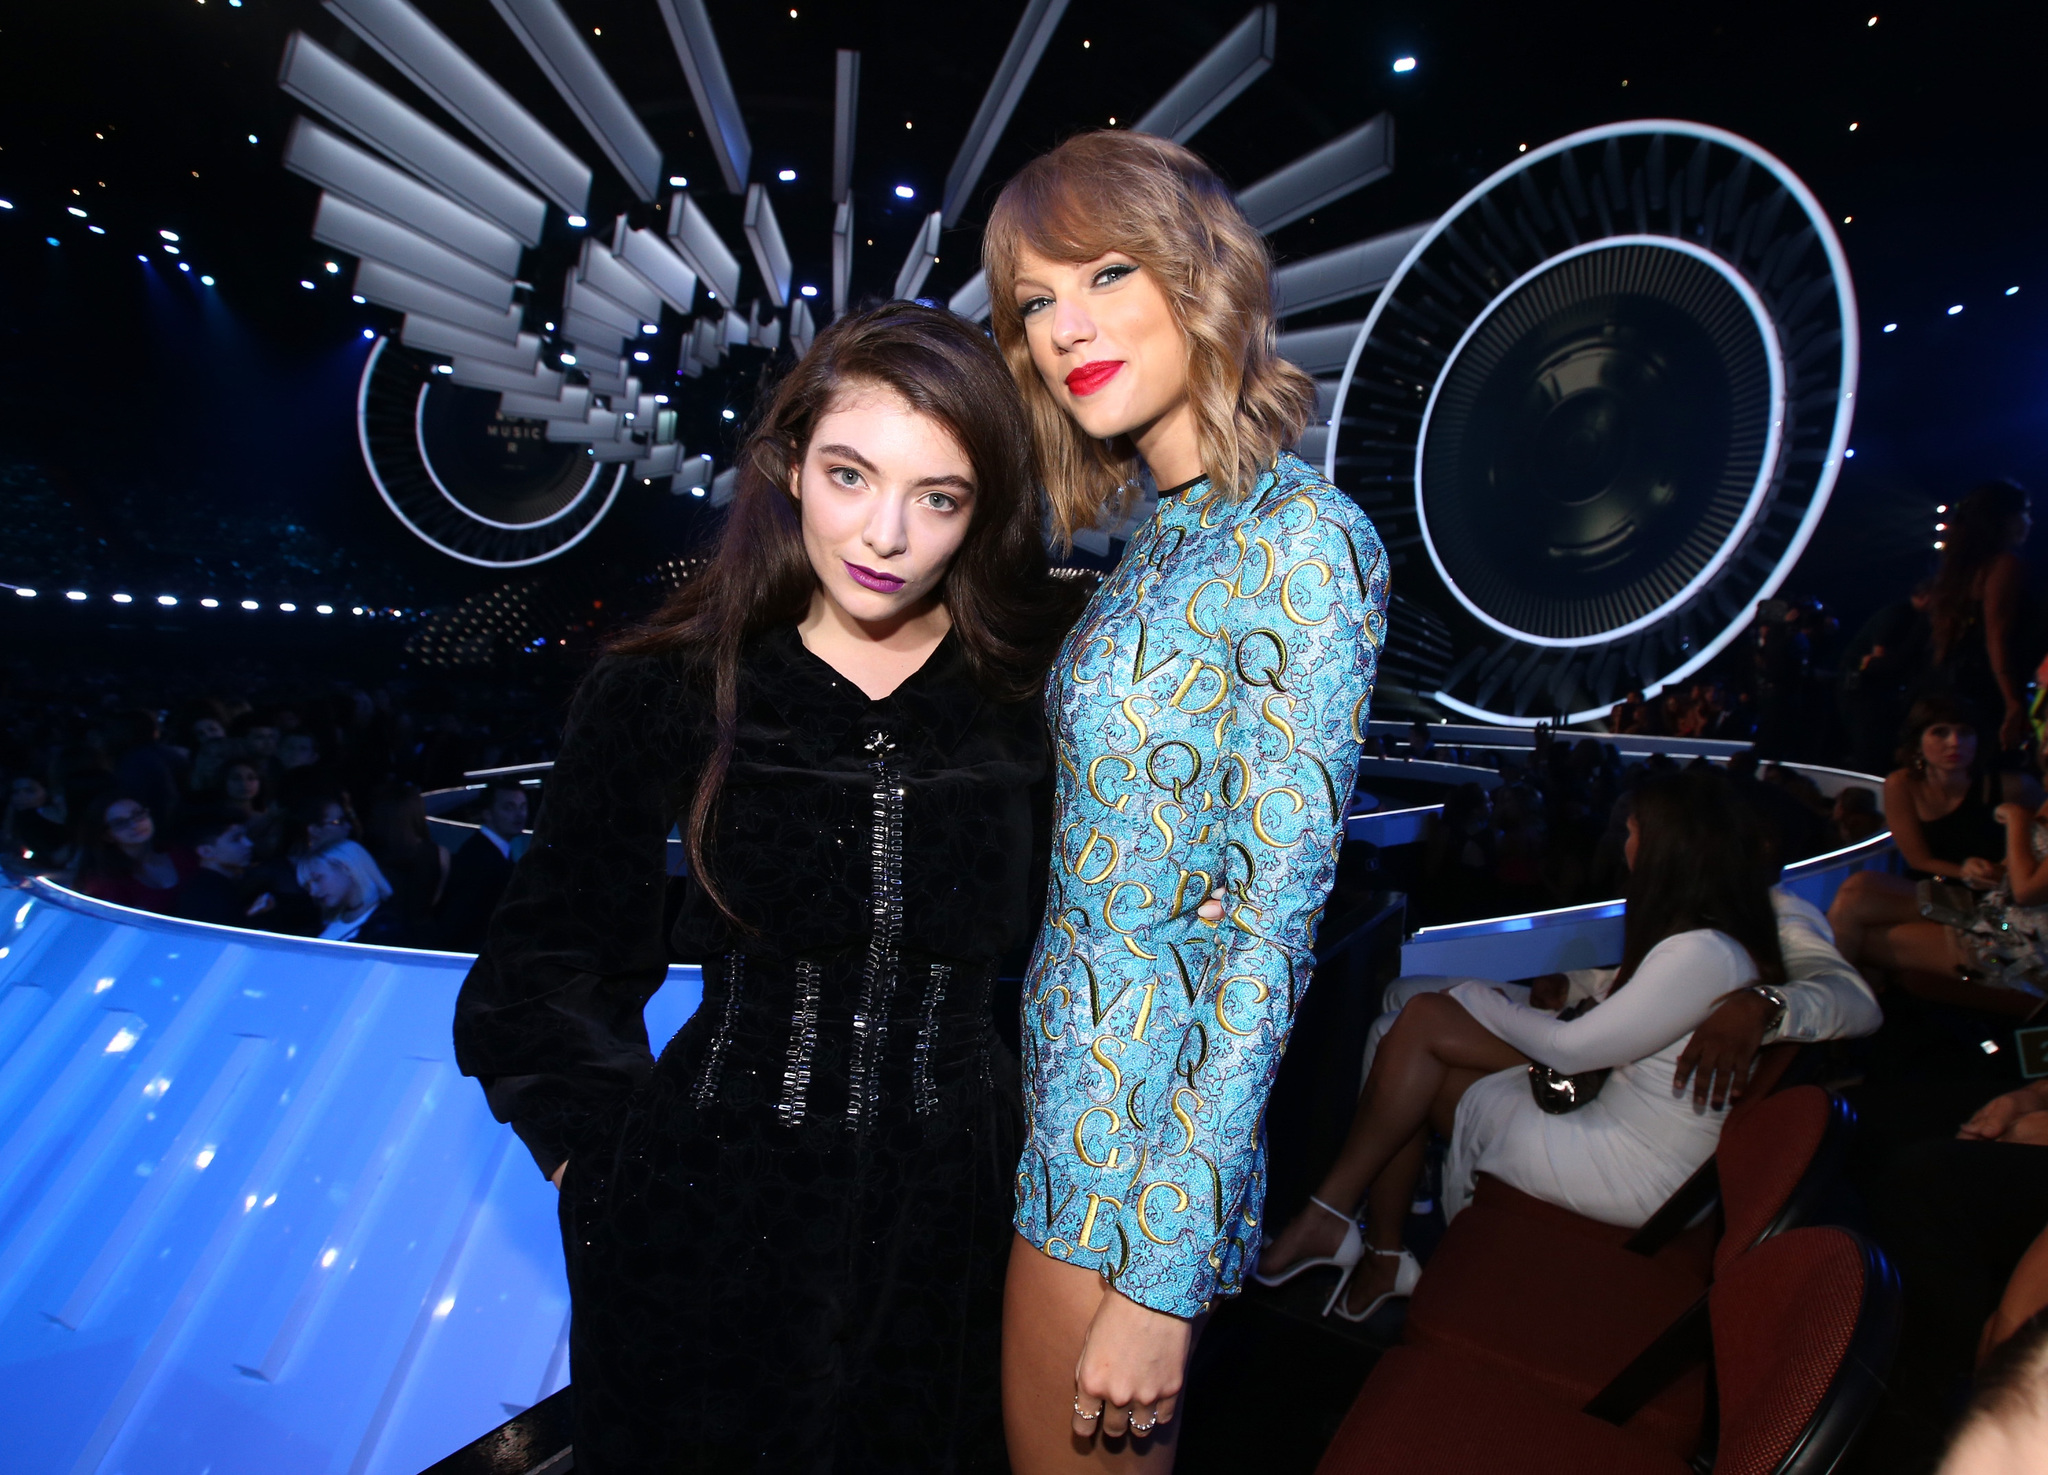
185, 420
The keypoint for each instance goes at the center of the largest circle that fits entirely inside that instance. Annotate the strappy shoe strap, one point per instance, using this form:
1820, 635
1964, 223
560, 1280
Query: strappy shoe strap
1327, 1209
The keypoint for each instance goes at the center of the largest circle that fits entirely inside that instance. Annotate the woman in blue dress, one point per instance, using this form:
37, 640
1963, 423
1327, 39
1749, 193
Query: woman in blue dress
1208, 712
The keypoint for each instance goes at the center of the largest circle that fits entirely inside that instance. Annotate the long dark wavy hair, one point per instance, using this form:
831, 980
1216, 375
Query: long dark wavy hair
1008, 611
1977, 533
1703, 859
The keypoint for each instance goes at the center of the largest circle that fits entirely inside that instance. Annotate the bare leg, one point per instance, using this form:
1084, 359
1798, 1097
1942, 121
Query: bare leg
1869, 901
1927, 955
1433, 1040
1047, 1306
1392, 1194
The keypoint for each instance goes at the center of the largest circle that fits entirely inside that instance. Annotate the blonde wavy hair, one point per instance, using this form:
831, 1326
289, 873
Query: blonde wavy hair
1159, 204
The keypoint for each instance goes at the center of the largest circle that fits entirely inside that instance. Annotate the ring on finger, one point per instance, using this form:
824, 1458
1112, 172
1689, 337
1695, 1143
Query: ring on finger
1079, 1414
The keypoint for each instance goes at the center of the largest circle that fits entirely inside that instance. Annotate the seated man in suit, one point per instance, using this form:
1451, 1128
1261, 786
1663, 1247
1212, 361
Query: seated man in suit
481, 868
222, 890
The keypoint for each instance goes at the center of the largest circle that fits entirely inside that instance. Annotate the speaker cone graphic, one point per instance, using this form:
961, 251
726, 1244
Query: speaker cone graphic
1598, 411
479, 485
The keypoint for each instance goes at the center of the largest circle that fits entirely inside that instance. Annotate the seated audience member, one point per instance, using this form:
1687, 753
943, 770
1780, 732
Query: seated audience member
478, 875
1941, 804
297, 750
33, 826
241, 790
221, 890
1854, 818
398, 837
353, 896
148, 767
119, 860
1488, 1070
317, 821
1966, 1221
1420, 745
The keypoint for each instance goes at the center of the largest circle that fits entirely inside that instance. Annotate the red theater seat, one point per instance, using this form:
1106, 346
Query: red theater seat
1565, 1303
1800, 1329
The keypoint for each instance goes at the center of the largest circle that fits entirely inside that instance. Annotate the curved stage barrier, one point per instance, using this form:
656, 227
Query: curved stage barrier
252, 1221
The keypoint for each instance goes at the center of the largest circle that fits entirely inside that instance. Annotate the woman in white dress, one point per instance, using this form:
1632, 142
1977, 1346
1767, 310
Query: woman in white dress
1470, 1061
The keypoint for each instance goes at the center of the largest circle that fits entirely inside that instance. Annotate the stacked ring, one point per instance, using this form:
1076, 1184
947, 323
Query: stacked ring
1080, 1415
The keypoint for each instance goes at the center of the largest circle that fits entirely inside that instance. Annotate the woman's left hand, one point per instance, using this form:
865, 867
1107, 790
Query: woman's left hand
1211, 910
1129, 1375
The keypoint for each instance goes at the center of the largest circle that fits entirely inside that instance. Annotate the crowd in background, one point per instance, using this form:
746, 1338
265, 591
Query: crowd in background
290, 807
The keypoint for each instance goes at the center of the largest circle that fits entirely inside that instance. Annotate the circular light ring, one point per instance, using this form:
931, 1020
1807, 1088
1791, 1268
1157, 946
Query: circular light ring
1759, 483
1723, 195
427, 462
387, 401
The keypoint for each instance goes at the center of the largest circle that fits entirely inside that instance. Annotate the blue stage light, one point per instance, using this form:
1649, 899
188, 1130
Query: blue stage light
727, 414
209, 604
167, 600
74, 594
1891, 327
252, 138
250, 604
26, 593
787, 176
289, 608
1404, 63
324, 609
369, 332
905, 192
124, 599
172, 251
1956, 309
303, 282
6, 204
2011, 291
53, 240
578, 222
678, 181
184, 266
206, 281
569, 359
169, 235
640, 356
333, 268
807, 291
74, 210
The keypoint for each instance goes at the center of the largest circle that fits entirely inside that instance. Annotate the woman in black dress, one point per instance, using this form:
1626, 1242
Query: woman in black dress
786, 1236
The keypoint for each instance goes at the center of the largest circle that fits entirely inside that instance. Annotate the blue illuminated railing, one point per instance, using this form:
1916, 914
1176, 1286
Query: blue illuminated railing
252, 1220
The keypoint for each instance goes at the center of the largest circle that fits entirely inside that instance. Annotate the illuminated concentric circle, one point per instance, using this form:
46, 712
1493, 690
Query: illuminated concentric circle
477, 485
1600, 407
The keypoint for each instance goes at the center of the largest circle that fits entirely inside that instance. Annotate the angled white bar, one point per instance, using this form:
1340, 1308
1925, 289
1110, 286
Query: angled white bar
924, 251
558, 48
845, 107
696, 44
971, 301
336, 165
442, 70
1320, 350
330, 86
481, 374
842, 255
1348, 162
600, 271
1214, 82
580, 299
764, 236
572, 404
601, 425
429, 335
590, 335
658, 461
349, 227
1347, 272
764, 329
401, 291
701, 249
655, 262
1013, 75
801, 329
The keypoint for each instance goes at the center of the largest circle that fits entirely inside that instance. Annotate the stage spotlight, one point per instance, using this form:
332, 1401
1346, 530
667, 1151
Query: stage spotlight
577, 222
905, 192
2011, 291
53, 240
209, 603
252, 138
169, 235
250, 604
1891, 327
369, 332
696, 491
138, 255
74, 594
650, 329
1849, 454
98, 230
73, 209
172, 251
124, 599
444, 368
640, 356
324, 609
333, 268
678, 181
26, 593
184, 266
787, 176
303, 282
569, 359
1956, 309
807, 291
726, 413
355, 609
1404, 63
661, 399
288, 608
359, 301
167, 600
6, 204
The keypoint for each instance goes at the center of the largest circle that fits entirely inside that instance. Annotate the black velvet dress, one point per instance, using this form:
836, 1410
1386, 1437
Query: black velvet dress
786, 1236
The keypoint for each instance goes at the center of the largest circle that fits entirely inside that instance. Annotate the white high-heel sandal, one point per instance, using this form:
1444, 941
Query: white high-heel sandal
1348, 1251
1406, 1274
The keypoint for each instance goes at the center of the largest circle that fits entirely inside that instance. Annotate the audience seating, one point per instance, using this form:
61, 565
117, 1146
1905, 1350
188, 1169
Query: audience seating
1797, 1331
1563, 1303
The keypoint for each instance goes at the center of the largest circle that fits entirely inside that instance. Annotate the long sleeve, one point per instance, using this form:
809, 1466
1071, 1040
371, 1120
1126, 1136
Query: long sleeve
1679, 983
549, 1019
1825, 998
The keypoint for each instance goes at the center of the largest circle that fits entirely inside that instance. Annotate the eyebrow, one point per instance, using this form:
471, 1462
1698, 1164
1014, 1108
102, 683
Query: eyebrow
848, 453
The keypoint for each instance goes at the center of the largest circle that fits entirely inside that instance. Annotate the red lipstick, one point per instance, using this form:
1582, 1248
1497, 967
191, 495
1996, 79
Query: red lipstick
1088, 378
870, 578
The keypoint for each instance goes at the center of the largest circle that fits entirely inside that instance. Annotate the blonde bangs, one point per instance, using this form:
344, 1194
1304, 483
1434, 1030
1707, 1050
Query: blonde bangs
1162, 206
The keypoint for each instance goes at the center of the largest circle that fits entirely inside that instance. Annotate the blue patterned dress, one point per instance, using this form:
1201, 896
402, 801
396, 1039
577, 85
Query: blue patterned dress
1208, 713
